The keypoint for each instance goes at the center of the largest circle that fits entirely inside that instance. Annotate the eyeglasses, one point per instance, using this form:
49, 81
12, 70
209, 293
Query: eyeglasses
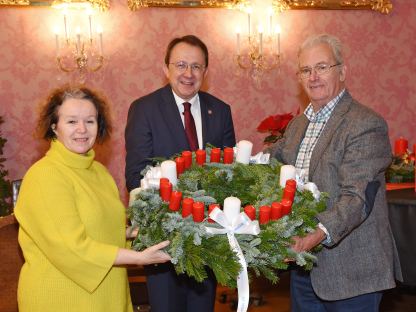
319, 69
182, 67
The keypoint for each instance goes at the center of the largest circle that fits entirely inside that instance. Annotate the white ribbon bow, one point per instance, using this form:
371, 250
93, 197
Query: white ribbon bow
241, 224
309, 186
260, 158
151, 178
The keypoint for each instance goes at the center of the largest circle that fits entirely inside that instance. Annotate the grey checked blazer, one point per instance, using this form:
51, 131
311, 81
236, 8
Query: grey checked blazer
352, 151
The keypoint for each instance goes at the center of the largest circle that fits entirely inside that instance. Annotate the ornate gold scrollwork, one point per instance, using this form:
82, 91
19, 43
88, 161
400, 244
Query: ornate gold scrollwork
102, 5
14, 2
382, 6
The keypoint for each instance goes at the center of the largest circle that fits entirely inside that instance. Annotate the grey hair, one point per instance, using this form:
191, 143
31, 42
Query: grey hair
333, 42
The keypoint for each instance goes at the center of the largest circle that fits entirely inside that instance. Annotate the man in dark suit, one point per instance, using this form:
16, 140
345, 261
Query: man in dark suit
343, 147
160, 125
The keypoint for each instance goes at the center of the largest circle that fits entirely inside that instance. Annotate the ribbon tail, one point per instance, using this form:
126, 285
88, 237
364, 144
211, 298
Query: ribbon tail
243, 287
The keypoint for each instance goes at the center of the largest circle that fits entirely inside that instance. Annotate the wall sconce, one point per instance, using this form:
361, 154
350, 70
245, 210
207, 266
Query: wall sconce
259, 49
79, 42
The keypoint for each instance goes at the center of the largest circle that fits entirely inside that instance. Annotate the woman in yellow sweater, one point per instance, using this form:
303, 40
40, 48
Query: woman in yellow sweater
72, 222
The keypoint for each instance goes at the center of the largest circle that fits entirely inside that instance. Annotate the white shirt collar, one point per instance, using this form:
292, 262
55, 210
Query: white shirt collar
179, 101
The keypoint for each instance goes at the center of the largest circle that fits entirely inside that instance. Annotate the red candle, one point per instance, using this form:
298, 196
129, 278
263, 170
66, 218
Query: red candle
165, 191
163, 180
286, 206
291, 183
215, 155
187, 156
414, 149
198, 211
400, 146
277, 211
250, 212
175, 201
180, 165
228, 155
201, 157
210, 209
289, 192
264, 215
187, 207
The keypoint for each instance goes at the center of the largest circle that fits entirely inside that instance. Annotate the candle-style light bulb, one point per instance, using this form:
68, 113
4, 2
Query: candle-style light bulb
278, 30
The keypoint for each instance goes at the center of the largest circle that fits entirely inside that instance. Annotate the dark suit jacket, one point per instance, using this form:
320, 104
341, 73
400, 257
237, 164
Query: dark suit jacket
155, 129
352, 151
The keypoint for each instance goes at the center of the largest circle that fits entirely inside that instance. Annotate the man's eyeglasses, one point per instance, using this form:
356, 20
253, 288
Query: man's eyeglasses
182, 67
319, 69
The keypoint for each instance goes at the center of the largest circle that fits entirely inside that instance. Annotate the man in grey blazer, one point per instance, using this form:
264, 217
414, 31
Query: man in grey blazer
343, 147
156, 127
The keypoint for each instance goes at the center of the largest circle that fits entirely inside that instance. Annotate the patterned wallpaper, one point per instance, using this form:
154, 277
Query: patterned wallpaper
380, 54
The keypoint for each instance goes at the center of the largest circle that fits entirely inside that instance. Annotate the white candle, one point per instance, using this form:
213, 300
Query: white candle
66, 27
249, 22
238, 41
260, 29
287, 172
169, 171
78, 41
232, 208
100, 33
101, 44
278, 38
278, 44
244, 152
57, 42
90, 28
270, 21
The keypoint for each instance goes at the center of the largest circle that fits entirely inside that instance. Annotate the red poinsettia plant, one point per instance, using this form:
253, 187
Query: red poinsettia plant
275, 126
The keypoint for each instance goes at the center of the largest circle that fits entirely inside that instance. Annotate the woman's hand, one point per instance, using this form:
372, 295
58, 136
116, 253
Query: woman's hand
154, 254
150, 255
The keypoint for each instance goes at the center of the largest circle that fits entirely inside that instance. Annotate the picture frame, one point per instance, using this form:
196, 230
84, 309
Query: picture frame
47, 3
14, 2
382, 6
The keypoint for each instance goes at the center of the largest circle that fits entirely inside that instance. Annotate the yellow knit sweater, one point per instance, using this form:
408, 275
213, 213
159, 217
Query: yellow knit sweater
71, 226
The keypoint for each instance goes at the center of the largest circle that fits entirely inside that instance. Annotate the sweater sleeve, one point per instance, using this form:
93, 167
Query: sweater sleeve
48, 214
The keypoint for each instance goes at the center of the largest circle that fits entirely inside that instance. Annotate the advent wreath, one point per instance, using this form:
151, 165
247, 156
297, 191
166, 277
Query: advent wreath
193, 249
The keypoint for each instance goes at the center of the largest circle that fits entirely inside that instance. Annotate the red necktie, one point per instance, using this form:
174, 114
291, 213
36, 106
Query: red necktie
190, 129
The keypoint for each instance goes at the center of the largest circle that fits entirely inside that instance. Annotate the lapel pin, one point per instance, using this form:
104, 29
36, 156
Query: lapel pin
209, 112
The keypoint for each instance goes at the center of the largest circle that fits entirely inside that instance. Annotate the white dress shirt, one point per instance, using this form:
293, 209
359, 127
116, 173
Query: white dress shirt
195, 111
